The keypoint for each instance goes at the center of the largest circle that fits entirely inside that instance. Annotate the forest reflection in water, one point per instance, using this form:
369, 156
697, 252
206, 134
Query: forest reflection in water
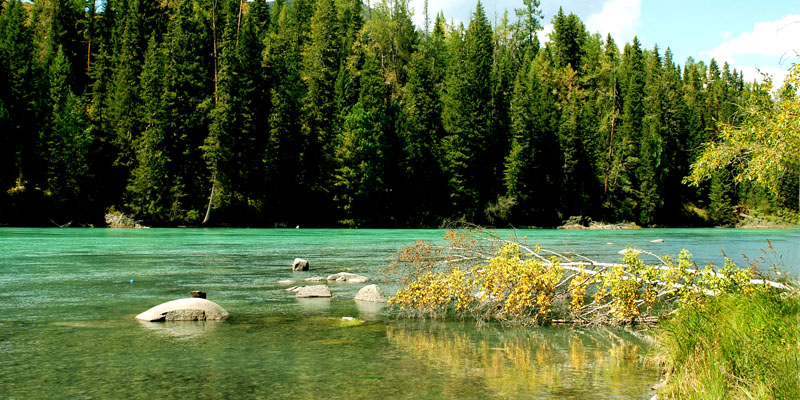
533, 362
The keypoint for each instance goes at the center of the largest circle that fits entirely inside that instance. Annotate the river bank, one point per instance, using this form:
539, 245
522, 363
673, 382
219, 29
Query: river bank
732, 347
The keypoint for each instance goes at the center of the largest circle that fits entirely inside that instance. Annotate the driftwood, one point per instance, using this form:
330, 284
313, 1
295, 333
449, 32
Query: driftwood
116, 219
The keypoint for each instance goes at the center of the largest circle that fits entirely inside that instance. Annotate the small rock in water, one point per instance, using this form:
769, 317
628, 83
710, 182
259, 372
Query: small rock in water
315, 279
371, 293
348, 277
348, 319
198, 294
657, 241
285, 282
293, 289
313, 291
300, 264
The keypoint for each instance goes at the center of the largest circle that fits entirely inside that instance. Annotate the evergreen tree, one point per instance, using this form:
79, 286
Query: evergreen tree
175, 112
152, 189
532, 167
529, 21
421, 132
504, 68
365, 154
21, 171
675, 153
467, 121
320, 63
283, 170
651, 145
66, 146
721, 199
624, 186
568, 39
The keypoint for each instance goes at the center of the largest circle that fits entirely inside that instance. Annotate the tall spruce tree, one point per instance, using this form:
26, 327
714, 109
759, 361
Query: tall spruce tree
365, 155
532, 167
467, 121
624, 185
320, 63
21, 169
283, 173
66, 146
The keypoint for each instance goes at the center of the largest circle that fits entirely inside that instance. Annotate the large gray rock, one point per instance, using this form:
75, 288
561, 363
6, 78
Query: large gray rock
300, 264
348, 277
190, 309
313, 291
371, 293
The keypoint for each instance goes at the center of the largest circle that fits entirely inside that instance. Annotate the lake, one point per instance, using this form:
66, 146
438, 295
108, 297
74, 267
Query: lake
68, 298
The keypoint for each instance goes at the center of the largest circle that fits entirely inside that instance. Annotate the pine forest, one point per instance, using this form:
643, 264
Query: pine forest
337, 113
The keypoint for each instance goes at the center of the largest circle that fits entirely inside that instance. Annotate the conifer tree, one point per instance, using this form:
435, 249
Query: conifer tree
532, 168
365, 153
66, 145
466, 116
529, 21
626, 159
320, 63
651, 146
20, 80
283, 172
421, 132
568, 39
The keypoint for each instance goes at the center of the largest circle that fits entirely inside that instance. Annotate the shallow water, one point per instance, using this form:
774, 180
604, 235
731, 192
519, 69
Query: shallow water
68, 298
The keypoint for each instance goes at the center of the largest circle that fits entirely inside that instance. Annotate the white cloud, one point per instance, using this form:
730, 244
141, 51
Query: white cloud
620, 18
544, 35
774, 40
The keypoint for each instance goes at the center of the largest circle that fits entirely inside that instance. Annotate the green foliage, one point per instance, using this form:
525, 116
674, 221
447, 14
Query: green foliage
765, 149
736, 346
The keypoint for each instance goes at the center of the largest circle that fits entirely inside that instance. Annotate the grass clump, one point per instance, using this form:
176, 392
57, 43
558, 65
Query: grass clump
732, 346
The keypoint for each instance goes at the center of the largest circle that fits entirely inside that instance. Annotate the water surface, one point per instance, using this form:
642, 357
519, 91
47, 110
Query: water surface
68, 298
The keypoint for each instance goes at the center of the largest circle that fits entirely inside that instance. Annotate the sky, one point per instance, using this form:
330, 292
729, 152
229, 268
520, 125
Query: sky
750, 35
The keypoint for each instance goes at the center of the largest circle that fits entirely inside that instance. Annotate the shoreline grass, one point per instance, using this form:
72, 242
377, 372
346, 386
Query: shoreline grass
735, 346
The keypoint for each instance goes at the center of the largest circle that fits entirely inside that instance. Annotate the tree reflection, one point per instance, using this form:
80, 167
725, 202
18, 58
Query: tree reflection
542, 362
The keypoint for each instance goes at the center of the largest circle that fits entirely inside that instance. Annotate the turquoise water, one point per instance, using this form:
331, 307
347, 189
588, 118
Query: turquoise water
68, 298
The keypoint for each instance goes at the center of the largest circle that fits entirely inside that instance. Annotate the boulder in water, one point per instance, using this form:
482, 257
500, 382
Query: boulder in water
313, 291
300, 264
371, 293
348, 277
190, 309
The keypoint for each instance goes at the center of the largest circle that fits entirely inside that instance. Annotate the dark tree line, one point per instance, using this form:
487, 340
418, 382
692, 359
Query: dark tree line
326, 113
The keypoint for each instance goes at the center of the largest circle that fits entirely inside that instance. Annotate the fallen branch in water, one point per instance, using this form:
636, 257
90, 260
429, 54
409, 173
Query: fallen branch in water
476, 273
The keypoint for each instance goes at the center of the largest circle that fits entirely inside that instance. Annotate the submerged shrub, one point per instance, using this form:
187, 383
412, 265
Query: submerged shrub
477, 274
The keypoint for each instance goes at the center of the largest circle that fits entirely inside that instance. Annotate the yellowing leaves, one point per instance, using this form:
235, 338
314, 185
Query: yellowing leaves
485, 277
